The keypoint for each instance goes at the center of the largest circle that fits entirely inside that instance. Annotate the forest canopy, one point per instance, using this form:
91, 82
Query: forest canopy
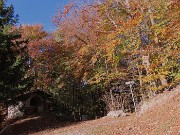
95, 50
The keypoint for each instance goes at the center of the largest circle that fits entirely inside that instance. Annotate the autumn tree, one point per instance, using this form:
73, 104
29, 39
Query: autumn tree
37, 44
98, 47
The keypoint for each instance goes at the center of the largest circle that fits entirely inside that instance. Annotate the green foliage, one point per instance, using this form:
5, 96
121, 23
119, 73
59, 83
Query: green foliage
13, 58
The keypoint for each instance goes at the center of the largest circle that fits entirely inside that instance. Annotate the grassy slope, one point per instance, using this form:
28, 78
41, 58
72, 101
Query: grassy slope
159, 116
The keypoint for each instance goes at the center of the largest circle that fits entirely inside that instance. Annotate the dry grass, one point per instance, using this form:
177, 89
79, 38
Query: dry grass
160, 116
160, 99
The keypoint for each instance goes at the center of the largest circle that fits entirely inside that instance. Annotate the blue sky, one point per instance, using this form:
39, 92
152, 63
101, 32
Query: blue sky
37, 11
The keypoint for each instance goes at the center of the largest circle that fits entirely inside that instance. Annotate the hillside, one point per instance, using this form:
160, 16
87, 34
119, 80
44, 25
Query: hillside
159, 116
107, 58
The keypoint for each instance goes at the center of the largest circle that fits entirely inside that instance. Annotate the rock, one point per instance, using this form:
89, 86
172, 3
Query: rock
14, 111
84, 117
117, 113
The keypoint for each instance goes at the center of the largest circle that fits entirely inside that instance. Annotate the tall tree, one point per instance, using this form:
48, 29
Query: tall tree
14, 59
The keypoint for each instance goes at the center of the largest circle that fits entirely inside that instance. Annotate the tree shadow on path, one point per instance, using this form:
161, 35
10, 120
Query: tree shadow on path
35, 124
